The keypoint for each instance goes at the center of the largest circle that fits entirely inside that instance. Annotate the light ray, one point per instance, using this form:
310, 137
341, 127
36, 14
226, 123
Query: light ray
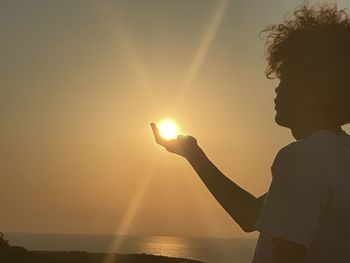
123, 40
204, 47
131, 211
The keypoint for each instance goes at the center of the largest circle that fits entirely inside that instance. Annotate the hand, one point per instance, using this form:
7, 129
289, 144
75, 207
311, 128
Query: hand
183, 145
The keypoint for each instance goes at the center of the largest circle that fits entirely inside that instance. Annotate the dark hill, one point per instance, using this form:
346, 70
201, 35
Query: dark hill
15, 254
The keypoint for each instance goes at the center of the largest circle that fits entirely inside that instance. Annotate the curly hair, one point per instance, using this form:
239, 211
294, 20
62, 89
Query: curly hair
314, 44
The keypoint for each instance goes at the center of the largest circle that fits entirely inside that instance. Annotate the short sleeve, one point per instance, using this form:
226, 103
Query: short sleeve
293, 205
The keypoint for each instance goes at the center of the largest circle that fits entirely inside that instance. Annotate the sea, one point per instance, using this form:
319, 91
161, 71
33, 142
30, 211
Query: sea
210, 250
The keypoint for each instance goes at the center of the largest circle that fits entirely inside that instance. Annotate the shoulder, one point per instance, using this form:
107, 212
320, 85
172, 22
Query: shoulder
308, 149
297, 158
293, 152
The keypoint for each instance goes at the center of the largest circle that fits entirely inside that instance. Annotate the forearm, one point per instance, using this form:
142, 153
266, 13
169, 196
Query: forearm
242, 206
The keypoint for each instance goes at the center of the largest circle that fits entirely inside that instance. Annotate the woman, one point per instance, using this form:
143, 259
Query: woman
305, 213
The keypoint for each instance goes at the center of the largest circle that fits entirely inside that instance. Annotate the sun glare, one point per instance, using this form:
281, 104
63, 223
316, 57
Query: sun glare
168, 129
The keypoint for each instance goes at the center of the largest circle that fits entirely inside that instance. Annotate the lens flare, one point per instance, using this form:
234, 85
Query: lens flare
168, 129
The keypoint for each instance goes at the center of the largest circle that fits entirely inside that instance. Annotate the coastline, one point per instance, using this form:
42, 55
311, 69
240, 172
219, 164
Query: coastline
18, 254
202, 249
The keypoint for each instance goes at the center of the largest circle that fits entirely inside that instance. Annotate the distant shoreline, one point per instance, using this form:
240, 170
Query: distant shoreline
18, 254
218, 250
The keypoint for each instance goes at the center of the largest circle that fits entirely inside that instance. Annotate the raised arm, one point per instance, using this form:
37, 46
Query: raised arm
242, 206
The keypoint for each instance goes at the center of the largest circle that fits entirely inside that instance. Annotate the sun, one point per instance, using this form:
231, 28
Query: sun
168, 129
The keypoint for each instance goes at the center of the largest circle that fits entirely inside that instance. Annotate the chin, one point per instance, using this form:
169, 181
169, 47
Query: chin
281, 121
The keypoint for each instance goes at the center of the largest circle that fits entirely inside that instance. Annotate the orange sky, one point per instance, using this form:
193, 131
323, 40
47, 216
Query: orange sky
82, 80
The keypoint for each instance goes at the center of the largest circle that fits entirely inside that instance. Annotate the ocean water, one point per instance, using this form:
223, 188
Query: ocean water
211, 250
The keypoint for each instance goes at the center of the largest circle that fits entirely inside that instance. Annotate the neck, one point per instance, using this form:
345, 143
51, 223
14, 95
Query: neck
303, 131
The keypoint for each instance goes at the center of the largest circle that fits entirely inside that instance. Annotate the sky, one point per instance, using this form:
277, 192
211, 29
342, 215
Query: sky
82, 80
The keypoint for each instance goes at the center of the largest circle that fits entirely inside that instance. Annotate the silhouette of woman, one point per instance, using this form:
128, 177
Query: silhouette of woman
305, 213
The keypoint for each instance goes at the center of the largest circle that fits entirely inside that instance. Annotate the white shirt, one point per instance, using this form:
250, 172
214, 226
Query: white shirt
309, 199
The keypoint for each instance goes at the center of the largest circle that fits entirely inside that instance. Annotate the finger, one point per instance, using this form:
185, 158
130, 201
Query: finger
187, 139
155, 130
156, 133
